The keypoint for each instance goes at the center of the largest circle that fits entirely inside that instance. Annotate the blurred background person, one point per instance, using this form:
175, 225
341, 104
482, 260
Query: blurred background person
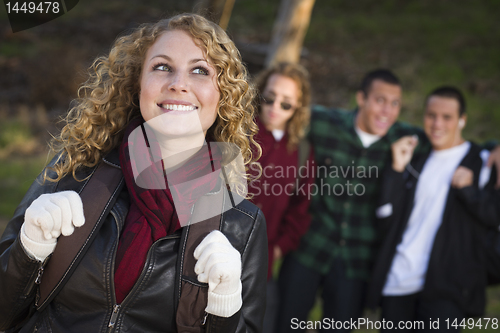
337, 251
429, 267
287, 162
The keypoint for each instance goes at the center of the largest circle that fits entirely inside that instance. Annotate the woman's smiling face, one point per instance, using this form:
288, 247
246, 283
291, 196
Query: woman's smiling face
179, 92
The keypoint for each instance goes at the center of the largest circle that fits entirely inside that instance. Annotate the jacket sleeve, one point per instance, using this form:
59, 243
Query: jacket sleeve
296, 219
254, 278
391, 198
18, 271
485, 203
249, 319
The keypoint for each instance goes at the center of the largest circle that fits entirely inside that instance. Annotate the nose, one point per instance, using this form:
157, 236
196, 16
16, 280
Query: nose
388, 108
178, 82
437, 122
276, 105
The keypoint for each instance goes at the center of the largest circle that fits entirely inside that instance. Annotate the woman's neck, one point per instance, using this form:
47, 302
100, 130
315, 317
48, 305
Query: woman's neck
175, 150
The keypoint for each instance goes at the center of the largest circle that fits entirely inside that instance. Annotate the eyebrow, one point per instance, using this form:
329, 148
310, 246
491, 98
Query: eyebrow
166, 57
286, 98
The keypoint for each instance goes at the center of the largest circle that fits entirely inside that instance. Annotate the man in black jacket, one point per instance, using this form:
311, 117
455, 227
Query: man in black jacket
484, 203
428, 274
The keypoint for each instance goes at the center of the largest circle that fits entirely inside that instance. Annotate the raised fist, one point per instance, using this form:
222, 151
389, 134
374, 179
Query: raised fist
402, 152
462, 177
49, 216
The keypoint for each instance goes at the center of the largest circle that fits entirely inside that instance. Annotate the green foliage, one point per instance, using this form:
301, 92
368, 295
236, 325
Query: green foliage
13, 132
16, 49
16, 176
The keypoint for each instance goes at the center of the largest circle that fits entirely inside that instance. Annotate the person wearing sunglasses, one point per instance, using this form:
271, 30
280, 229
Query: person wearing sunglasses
270, 101
280, 191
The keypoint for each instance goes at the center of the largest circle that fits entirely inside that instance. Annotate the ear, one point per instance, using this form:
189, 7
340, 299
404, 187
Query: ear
462, 121
360, 99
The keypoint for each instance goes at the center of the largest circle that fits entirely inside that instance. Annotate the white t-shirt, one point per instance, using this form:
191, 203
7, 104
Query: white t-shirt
409, 265
367, 139
278, 134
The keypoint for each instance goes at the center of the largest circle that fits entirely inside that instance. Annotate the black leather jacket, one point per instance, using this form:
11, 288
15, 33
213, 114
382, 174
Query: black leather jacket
87, 303
455, 271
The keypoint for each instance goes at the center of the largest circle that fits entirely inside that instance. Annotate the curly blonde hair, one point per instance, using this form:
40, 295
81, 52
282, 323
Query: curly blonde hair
110, 97
298, 124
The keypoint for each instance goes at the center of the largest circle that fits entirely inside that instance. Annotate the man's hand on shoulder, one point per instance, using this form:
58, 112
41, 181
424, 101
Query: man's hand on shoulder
402, 152
462, 177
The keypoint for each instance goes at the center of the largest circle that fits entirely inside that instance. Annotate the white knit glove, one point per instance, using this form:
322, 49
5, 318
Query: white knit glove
219, 265
49, 216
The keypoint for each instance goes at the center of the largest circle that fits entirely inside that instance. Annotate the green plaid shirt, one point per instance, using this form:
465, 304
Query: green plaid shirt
348, 179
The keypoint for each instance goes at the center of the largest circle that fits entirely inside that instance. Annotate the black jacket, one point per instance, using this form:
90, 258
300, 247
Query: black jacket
455, 270
86, 303
485, 205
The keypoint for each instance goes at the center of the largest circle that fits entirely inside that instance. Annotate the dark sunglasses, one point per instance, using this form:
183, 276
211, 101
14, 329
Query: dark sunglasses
270, 101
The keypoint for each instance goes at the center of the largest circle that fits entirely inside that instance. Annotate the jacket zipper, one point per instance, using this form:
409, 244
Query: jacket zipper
207, 323
114, 315
39, 275
204, 323
37, 280
117, 307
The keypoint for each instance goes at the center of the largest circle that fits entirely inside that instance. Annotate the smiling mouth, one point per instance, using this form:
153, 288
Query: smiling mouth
178, 107
437, 134
382, 121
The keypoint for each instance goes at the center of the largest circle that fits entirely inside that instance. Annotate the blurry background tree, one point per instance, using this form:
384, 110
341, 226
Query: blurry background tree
426, 42
289, 31
217, 10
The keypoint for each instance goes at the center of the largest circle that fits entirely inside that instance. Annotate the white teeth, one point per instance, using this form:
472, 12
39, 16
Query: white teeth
178, 107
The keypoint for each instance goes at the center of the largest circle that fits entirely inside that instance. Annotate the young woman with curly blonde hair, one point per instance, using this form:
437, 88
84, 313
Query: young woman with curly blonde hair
171, 101
287, 164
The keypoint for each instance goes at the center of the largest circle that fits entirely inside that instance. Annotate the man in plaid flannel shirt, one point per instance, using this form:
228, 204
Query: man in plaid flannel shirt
351, 150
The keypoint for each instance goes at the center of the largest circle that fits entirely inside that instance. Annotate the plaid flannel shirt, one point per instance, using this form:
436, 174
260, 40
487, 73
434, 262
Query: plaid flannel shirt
344, 199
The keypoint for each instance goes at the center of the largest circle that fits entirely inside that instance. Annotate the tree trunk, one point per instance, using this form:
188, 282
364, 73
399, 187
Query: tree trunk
289, 31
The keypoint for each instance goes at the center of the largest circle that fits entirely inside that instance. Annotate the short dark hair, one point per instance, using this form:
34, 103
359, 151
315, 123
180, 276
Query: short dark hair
381, 74
449, 92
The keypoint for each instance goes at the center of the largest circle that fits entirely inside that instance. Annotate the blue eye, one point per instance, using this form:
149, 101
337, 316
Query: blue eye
200, 70
162, 67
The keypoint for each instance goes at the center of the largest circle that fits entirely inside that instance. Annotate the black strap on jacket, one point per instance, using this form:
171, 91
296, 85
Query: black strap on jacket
98, 196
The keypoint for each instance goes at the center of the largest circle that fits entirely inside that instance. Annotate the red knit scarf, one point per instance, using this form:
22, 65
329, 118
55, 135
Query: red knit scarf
152, 214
